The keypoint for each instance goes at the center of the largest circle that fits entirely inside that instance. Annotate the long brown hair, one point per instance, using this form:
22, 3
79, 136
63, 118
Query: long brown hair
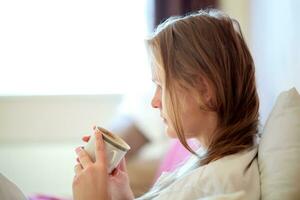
209, 44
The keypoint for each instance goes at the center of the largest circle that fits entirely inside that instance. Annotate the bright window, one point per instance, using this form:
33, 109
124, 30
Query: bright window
72, 47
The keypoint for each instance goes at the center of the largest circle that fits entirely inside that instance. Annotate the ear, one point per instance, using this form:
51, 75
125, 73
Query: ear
206, 91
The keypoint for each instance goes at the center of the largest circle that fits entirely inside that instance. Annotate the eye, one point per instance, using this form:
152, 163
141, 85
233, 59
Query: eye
158, 85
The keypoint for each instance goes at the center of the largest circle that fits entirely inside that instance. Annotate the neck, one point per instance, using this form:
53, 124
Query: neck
208, 130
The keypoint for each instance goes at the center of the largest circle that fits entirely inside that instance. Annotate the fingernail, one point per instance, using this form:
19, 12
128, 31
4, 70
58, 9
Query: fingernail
78, 149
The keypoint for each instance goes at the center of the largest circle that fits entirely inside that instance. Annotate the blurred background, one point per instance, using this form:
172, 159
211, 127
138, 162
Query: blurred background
68, 65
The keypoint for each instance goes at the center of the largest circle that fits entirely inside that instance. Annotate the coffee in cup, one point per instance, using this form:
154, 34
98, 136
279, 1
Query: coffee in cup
115, 147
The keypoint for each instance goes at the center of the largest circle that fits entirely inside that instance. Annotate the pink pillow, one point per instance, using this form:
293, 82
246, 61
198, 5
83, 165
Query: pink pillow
175, 156
45, 197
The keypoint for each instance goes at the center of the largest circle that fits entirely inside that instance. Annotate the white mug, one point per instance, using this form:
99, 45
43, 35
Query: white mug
115, 147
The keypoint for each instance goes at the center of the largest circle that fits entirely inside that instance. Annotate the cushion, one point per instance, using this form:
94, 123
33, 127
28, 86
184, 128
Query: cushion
170, 162
9, 191
279, 149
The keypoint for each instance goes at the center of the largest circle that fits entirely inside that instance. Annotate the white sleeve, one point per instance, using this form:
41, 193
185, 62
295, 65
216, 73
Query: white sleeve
9, 191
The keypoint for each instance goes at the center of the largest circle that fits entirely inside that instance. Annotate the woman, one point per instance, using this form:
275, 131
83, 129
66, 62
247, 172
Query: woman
205, 89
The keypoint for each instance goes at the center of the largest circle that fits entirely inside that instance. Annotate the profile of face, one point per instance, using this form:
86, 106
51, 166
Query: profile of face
196, 122
205, 54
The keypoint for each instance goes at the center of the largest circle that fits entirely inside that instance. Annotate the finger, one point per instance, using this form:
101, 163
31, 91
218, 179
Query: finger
115, 172
100, 153
122, 165
86, 138
94, 127
83, 157
78, 168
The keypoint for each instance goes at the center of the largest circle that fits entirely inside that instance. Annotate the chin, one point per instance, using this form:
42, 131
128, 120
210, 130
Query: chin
171, 132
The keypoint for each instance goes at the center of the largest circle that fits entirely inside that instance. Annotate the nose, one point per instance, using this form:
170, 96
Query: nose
156, 100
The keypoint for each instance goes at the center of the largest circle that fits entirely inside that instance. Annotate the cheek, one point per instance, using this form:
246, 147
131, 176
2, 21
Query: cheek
189, 130
193, 124
193, 120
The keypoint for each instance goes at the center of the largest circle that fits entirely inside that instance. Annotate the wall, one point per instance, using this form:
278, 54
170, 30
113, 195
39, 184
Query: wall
271, 29
53, 118
38, 136
240, 11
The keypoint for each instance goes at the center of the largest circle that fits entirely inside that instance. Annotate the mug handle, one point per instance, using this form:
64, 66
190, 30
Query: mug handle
114, 152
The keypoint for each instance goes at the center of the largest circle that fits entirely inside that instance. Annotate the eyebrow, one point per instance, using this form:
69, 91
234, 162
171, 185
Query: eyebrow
155, 80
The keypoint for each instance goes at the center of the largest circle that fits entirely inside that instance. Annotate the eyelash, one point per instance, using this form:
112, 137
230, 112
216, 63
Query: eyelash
158, 85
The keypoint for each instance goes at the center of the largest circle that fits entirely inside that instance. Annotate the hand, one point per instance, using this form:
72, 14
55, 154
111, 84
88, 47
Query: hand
119, 187
117, 182
91, 179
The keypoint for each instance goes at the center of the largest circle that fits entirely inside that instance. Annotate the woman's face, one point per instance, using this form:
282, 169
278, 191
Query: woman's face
195, 121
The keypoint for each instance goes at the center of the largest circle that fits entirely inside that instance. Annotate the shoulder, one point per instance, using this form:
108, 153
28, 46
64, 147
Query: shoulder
234, 172
228, 175
237, 163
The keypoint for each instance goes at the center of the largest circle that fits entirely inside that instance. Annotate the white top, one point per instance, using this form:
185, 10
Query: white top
232, 177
